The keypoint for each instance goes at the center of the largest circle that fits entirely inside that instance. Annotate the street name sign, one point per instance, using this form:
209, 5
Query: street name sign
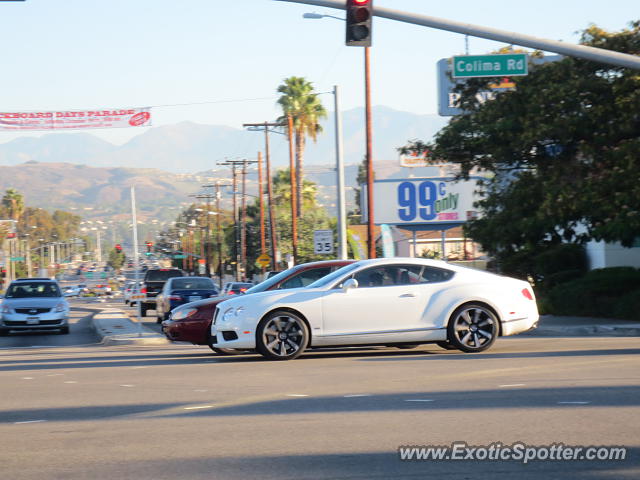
502, 65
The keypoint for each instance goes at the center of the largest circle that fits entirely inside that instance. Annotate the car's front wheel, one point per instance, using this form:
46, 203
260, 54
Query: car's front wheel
472, 328
282, 336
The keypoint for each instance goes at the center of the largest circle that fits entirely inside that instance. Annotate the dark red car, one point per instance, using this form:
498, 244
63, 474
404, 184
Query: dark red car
192, 322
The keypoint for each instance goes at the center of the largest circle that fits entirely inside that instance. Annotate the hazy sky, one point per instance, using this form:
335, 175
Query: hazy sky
86, 54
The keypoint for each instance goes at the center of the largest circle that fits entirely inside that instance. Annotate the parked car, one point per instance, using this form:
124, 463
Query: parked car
235, 288
392, 301
34, 304
154, 280
192, 322
180, 290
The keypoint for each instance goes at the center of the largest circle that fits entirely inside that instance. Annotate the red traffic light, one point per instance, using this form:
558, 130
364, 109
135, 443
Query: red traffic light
118, 247
358, 22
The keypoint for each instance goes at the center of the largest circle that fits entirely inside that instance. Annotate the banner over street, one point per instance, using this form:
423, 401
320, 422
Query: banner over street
68, 119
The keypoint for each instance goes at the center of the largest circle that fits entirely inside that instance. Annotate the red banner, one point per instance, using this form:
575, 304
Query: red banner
107, 118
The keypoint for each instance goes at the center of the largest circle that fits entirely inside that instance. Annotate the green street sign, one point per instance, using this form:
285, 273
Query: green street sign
504, 65
178, 257
17, 259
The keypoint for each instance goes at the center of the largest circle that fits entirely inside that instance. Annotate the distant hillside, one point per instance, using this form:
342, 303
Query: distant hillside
190, 147
104, 193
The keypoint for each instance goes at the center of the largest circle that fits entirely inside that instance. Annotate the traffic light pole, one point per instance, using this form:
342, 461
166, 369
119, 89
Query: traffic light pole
594, 54
370, 213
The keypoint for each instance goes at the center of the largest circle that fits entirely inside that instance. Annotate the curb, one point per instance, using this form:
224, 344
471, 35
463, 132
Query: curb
585, 331
116, 328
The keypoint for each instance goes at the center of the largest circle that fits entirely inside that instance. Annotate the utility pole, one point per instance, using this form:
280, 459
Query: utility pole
241, 254
294, 192
272, 216
261, 199
243, 222
342, 215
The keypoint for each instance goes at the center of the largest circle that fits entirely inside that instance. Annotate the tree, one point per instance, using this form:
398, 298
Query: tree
561, 152
306, 110
116, 259
313, 218
13, 204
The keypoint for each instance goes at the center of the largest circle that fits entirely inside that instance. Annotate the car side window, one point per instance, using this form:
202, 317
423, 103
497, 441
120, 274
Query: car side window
305, 278
384, 276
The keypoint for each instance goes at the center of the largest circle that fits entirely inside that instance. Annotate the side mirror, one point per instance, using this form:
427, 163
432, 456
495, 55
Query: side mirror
349, 284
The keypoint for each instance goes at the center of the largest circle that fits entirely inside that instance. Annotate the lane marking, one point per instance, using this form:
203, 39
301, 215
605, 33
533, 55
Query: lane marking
135, 368
358, 395
419, 400
297, 395
512, 385
29, 421
125, 385
27, 378
55, 374
70, 381
573, 403
198, 408
201, 390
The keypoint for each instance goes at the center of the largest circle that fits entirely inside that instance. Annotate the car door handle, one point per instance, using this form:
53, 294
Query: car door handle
407, 295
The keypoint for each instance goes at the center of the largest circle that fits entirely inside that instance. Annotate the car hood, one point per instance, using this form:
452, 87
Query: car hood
43, 302
269, 296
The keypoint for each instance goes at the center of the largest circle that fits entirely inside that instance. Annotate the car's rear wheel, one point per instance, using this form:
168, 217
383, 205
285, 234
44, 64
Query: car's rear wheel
143, 311
282, 336
473, 328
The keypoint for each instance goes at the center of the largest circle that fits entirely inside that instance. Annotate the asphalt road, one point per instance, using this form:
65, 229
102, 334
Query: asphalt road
86, 411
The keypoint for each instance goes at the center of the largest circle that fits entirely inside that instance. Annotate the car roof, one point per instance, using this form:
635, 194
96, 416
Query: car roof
34, 279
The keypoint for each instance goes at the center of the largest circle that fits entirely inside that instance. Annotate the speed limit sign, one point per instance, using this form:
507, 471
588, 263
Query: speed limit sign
323, 242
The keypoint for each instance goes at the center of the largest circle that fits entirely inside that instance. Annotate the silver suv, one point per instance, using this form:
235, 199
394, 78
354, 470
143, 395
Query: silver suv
34, 304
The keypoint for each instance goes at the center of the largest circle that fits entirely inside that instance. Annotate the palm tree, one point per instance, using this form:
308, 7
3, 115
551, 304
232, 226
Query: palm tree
13, 203
306, 110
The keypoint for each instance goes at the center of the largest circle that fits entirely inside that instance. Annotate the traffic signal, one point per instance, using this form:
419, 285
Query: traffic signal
359, 14
149, 245
118, 248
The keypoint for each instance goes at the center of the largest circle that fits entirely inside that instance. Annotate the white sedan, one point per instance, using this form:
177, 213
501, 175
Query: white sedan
399, 302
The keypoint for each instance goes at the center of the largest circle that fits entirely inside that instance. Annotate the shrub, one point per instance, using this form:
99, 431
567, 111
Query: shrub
606, 292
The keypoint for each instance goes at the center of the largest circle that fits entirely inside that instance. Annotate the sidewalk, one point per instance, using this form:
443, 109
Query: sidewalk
554, 326
116, 328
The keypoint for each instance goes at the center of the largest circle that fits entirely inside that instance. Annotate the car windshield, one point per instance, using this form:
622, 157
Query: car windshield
191, 283
271, 281
33, 289
324, 281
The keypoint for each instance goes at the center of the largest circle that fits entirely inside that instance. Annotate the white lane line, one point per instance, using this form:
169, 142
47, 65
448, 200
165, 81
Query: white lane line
126, 385
135, 368
29, 421
70, 381
297, 395
573, 403
198, 408
201, 390
55, 374
419, 400
512, 385
358, 395
27, 378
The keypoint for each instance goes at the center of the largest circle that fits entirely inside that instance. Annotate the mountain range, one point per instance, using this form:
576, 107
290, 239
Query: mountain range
189, 147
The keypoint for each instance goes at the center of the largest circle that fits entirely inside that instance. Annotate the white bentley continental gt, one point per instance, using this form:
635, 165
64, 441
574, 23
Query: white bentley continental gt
400, 302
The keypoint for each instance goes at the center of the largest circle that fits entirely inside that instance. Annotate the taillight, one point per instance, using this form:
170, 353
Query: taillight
527, 294
175, 297
231, 292
242, 290
143, 290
